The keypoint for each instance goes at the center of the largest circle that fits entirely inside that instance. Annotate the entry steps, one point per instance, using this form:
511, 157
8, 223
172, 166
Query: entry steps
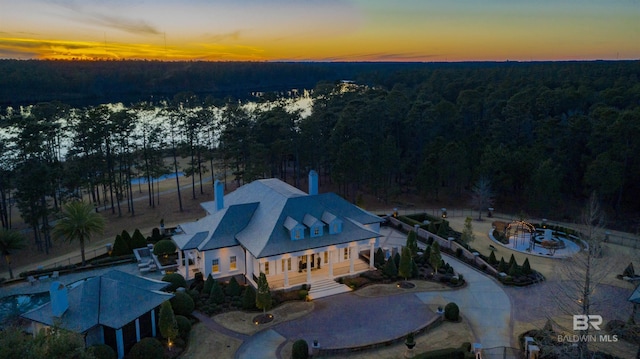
326, 287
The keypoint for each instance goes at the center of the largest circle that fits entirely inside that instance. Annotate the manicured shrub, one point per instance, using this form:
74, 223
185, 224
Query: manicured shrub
526, 267
102, 351
629, 271
249, 298
512, 260
147, 348
300, 349
263, 294
208, 284
137, 240
492, 258
302, 294
514, 270
164, 247
452, 312
502, 266
378, 258
217, 294
167, 321
156, 236
176, 281
182, 304
459, 252
390, 269
120, 247
126, 237
233, 288
184, 326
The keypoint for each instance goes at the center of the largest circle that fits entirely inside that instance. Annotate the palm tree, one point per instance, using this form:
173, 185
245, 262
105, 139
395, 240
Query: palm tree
10, 240
79, 222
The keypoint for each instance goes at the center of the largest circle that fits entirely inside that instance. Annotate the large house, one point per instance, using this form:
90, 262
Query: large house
116, 308
272, 227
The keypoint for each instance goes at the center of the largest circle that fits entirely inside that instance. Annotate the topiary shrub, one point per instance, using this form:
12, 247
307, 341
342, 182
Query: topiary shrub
300, 349
492, 258
102, 351
526, 267
138, 240
147, 348
164, 247
233, 288
452, 312
249, 298
176, 280
216, 295
206, 289
390, 269
120, 247
156, 236
182, 304
184, 326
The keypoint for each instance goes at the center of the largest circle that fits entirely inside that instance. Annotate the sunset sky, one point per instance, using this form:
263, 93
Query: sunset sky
323, 30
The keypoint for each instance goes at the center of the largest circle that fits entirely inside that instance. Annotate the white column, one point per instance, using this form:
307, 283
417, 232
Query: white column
286, 272
351, 259
308, 269
331, 264
120, 343
186, 266
371, 255
153, 322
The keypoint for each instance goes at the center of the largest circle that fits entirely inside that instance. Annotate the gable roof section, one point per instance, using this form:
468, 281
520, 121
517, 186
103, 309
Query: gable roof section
234, 220
105, 300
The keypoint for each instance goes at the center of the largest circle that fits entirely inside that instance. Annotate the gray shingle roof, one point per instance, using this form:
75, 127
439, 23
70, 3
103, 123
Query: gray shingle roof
105, 300
256, 214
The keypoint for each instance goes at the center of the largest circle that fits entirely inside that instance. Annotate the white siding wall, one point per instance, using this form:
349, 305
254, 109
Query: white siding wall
224, 256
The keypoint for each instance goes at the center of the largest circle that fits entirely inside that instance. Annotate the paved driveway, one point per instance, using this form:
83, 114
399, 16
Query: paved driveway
483, 302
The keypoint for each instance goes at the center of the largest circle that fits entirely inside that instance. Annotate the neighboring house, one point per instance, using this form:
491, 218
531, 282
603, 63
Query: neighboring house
116, 308
272, 227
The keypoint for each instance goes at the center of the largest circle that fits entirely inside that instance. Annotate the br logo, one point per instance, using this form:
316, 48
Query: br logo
582, 322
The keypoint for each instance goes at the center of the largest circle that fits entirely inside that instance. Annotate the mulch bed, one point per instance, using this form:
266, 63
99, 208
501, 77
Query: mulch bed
263, 318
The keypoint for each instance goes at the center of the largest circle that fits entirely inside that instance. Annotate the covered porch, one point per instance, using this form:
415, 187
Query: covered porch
296, 279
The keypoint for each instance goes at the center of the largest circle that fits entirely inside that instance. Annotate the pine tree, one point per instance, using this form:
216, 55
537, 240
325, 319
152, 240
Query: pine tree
412, 243
249, 298
217, 294
208, 284
167, 322
263, 295
404, 269
390, 270
514, 270
435, 257
233, 288
378, 258
467, 232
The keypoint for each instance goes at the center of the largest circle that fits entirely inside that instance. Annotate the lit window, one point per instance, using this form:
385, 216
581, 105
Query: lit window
316, 231
346, 253
326, 257
297, 234
232, 265
266, 268
289, 264
215, 266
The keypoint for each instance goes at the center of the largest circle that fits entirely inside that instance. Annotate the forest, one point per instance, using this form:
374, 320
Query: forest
542, 136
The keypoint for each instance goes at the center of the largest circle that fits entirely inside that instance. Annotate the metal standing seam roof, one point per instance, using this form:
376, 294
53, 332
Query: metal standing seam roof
105, 300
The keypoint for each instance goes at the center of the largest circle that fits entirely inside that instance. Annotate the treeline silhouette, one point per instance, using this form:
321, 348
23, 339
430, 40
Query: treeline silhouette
541, 136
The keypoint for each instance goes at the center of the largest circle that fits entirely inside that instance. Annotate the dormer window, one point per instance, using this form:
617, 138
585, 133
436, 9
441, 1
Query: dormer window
334, 223
296, 229
315, 226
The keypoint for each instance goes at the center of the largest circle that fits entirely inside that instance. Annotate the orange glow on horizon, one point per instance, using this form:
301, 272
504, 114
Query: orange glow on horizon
331, 30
